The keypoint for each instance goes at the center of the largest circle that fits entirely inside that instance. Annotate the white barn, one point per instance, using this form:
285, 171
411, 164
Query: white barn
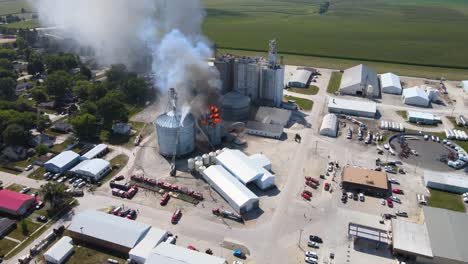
329, 126
360, 80
390, 83
142, 250
62, 162
231, 189
300, 78
94, 169
59, 252
415, 96
352, 107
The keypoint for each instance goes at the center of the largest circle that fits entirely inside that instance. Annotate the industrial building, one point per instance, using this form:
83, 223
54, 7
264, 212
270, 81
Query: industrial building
14, 203
464, 86
62, 162
360, 80
423, 118
59, 252
264, 130
271, 115
6, 226
300, 78
107, 231
96, 152
329, 126
231, 189
415, 96
142, 250
94, 169
361, 180
234, 106
390, 83
261, 160
352, 107
166, 253
441, 239
448, 182
247, 77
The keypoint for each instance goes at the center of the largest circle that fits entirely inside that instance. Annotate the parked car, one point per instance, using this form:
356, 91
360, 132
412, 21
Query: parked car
164, 199
315, 239
305, 195
394, 181
123, 213
171, 240
327, 186
176, 216
34, 194
116, 210
42, 219
61, 179
402, 214
389, 202
361, 197
344, 198
29, 167
311, 254
350, 195
119, 178
310, 260
397, 191
56, 176
25, 190
72, 180
39, 205
395, 199
355, 196
82, 184
132, 215
238, 253
312, 244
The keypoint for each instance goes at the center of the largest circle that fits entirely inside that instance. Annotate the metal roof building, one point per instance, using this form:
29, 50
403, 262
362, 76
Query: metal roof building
108, 231
237, 163
231, 189
154, 237
95, 152
360, 80
94, 169
329, 125
421, 117
300, 78
415, 96
59, 252
272, 115
446, 181
410, 238
264, 130
15, 203
390, 83
352, 107
62, 162
464, 85
365, 180
166, 253
261, 160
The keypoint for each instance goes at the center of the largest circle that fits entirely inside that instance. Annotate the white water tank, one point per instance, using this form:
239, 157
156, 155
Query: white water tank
212, 157
206, 159
191, 164
198, 164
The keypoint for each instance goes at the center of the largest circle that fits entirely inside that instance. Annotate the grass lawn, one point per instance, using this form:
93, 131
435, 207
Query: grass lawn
25, 24
84, 255
62, 146
123, 140
117, 164
311, 90
18, 232
304, 104
15, 187
37, 174
9, 171
6, 245
446, 200
334, 84
403, 114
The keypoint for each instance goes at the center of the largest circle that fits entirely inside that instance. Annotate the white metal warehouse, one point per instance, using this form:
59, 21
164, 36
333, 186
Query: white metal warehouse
264, 130
142, 250
329, 126
239, 165
464, 85
62, 162
166, 253
352, 107
231, 189
59, 252
94, 169
360, 80
300, 78
95, 152
415, 96
447, 182
424, 118
390, 83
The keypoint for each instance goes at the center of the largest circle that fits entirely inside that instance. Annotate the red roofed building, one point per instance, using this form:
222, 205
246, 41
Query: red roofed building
15, 203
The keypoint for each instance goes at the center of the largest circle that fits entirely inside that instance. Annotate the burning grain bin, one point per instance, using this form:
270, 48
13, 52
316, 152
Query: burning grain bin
211, 125
176, 133
234, 107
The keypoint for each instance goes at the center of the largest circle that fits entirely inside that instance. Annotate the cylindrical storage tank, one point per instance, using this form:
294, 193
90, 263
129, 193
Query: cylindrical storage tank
214, 133
212, 157
234, 106
224, 149
198, 158
206, 159
169, 127
201, 169
198, 164
191, 164
218, 152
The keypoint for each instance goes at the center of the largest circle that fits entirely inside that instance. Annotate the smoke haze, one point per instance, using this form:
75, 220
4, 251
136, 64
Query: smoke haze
121, 31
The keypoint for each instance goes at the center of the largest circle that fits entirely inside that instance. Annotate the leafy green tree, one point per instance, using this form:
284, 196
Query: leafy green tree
15, 135
88, 107
21, 43
135, 90
42, 150
85, 71
7, 88
61, 62
85, 126
96, 91
116, 75
24, 227
111, 110
53, 193
57, 84
81, 89
39, 95
7, 54
4, 73
6, 64
36, 65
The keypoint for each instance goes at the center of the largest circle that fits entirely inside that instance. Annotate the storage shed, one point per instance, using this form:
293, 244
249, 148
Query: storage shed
231, 189
154, 237
415, 96
94, 169
166, 253
352, 107
14, 203
264, 130
390, 83
273, 115
329, 126
59, 252
62, 162
300, 78
360, 80
239, 165
107, 231
446, 181
261, 160
96, 152
423, 118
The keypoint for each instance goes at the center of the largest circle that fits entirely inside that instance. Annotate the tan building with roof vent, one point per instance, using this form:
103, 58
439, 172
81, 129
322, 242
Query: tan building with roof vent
364, 180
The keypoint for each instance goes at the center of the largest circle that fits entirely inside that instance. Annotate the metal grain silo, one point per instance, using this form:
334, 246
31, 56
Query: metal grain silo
234, 107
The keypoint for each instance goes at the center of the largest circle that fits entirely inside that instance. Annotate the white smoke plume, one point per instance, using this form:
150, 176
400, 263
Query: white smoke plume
119, 31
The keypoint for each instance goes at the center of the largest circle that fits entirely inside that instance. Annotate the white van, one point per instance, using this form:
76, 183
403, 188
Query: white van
421, 199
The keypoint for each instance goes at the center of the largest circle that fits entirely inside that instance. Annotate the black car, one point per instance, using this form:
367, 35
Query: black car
355, 197
344, 198
42, 219
315, 239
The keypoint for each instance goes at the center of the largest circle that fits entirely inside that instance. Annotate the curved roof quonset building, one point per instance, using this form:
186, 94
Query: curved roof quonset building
329, 126
415, 96
390, 83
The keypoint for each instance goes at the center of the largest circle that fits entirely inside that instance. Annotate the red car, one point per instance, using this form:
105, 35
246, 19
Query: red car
311, 184
327, 186
397, 191
176, 216
306, 195
192, 248
164, 199
389, 202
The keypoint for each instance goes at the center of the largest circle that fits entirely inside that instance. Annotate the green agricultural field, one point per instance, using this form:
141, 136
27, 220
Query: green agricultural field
416, 32
26, 24
8, 7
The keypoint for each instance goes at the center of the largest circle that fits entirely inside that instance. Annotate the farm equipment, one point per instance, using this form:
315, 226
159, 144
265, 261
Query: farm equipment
227, 214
